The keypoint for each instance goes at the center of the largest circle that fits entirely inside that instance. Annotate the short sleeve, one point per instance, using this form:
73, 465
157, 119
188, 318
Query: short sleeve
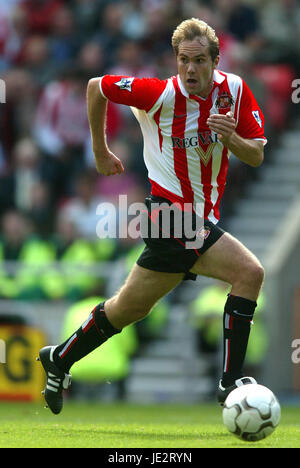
141, 93
250, 117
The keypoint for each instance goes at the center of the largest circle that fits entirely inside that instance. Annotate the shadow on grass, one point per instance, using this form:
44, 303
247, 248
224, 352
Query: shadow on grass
148, 435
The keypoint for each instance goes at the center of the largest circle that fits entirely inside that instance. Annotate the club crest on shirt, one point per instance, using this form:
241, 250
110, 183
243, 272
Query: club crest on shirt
224, 101
125, 83
203, 232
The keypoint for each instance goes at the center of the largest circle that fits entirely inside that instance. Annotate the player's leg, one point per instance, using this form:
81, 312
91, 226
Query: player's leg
230, 261
142, 289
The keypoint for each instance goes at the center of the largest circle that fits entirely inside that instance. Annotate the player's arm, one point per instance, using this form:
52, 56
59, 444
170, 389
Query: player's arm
244, 137
249, 151
106, 162
140, 93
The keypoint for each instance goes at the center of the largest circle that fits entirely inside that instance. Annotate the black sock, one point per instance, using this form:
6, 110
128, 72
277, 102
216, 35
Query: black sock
237, 320
93, 332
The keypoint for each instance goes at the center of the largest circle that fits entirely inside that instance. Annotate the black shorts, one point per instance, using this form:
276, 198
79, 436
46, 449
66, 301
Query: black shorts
169, 254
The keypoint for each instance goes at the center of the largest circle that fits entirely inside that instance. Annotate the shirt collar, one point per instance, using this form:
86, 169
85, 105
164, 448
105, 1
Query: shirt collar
218, 79
182, 88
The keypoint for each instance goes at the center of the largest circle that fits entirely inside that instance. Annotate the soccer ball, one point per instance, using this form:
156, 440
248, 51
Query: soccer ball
251, 412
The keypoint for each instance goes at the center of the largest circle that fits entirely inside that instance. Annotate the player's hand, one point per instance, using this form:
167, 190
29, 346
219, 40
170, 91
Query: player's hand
223, 125
108, 164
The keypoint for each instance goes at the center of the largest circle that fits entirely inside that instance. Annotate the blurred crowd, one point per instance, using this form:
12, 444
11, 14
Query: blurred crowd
49, 49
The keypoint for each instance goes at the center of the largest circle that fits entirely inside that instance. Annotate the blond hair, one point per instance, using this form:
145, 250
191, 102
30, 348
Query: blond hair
190, 29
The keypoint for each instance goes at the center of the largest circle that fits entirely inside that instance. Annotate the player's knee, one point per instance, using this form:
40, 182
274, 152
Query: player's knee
261, 274
258, 273
254, 274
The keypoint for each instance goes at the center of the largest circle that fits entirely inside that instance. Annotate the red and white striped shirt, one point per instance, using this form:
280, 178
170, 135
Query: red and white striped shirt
185, 160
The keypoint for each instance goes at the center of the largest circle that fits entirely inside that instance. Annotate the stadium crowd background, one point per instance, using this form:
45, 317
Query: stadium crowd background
49, 49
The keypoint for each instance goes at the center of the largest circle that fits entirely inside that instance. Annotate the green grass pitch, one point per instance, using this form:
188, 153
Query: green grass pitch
122, 425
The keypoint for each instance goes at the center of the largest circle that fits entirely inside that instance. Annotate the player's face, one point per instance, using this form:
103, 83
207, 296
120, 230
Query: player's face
195, 66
